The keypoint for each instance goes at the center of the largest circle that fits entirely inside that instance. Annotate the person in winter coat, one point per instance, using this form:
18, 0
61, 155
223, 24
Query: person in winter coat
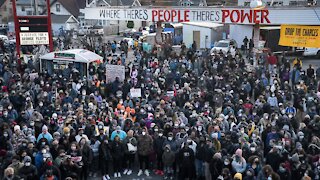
216, 166
129, 154
145, 145
200, 158
168, 158
239, 164
158, 147
186, 160
28, 171
9, 174
45, 134
87, 157
68, 168
283, 172
94, 145
117, 152
105, 158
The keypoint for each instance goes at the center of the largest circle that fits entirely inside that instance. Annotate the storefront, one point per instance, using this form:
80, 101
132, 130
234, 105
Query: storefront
78, 59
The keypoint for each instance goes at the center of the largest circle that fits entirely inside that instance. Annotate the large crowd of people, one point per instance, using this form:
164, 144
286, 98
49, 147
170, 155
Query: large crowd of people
200, 116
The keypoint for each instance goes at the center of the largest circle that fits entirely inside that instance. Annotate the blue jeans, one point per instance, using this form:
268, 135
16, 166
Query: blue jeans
199, 168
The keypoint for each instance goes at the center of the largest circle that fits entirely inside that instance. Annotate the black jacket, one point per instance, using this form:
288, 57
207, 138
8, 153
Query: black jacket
104, 152
28, 172
117, 150
158, 144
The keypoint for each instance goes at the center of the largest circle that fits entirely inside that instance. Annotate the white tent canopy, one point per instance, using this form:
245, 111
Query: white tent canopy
75, 55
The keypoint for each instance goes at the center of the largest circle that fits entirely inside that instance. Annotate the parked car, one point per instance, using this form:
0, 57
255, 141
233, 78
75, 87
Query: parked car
129, 32
84, 30
223, 45
98, 30
312, 52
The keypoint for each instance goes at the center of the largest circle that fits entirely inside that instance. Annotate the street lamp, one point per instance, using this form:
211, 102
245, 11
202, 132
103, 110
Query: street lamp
257, 4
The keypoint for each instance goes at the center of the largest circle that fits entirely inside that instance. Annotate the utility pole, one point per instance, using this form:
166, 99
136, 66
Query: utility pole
118, 20
35, 2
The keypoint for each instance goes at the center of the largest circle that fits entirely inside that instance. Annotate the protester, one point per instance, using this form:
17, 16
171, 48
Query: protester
199, 116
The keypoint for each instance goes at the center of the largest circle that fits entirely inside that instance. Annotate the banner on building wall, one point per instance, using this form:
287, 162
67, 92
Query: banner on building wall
216, 15
300, 36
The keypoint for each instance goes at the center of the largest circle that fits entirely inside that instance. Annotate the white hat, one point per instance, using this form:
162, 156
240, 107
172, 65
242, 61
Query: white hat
44, 127
54, 115
16, 127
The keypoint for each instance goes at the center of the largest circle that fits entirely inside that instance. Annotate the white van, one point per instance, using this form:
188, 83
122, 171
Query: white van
223, 45
311, 52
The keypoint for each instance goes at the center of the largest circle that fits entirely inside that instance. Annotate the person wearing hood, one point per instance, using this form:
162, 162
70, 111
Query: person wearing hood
239, 164
168, 159
186, 160
117, 152
159, 140
145, 146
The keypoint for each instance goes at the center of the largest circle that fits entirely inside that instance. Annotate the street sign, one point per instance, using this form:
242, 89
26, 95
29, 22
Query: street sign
34, 38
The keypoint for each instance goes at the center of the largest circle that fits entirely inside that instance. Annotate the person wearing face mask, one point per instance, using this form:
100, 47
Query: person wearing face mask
186, 159
81, 135
39, 158
130, 143
65, 139
118, 132
284, 172
45, 134
86, 153
239, 164
9, 174
168, 159
145, 146
94, 145
159, 140
105, 158
16, 164
117, 152
28, 171
12, 113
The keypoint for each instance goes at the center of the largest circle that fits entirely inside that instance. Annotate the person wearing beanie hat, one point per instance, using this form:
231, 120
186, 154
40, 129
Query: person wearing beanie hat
28, 171
239, 164
45, 134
